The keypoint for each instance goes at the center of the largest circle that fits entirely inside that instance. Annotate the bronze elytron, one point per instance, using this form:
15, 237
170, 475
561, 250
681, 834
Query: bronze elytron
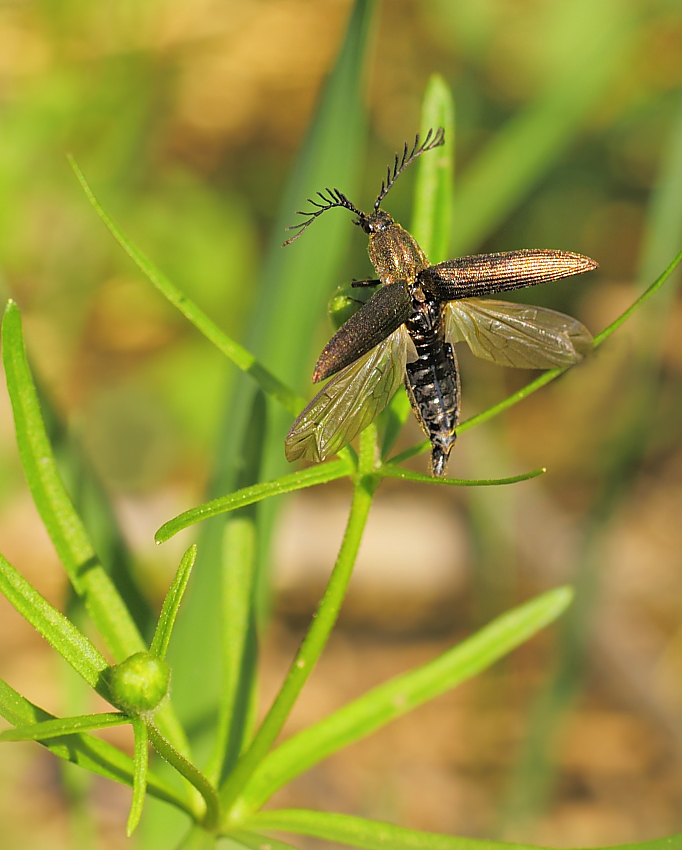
406, 331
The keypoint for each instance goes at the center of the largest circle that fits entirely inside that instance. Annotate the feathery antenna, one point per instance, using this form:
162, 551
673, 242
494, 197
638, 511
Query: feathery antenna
409, 156
333, 198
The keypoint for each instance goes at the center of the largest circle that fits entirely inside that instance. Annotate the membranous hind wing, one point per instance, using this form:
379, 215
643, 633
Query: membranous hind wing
517, 334
351, 400
484, 274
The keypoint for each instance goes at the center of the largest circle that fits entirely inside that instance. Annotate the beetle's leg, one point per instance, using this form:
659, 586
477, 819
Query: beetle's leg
366, 282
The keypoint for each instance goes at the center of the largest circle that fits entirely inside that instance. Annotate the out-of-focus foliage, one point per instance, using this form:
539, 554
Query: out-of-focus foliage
186, 115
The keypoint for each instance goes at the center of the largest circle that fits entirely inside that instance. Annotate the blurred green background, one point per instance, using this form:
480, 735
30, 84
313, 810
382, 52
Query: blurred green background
186, 118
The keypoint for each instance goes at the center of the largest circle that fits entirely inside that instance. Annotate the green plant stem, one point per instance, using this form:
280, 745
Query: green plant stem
85, 750
238, 639
197, 839
319, 631
184, 767
402, 694
432, 209
140, 767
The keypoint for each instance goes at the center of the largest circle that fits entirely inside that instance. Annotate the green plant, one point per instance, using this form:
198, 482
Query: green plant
245, 768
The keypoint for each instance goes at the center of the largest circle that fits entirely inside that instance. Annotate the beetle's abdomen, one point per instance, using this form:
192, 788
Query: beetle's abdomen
432, 381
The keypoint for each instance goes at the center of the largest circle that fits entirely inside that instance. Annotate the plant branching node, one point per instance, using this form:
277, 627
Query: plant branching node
138, 684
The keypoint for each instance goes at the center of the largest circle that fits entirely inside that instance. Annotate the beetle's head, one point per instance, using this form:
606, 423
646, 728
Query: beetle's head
374, 223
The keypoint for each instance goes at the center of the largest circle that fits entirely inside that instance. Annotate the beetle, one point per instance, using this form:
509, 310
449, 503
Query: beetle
407, 330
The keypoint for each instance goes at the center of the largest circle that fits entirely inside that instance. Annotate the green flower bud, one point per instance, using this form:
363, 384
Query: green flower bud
139, 683
346, 301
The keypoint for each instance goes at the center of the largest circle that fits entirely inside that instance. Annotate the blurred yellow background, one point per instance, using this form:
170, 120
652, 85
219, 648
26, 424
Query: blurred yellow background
186, 117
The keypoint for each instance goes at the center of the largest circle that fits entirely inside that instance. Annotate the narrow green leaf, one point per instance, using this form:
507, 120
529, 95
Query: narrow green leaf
93, 505
85, 750
318, 474
378, 835
242, 359
320, 627
400, 695
57, 630
171, 604
433, 193
663, 227
140, 770
369, 834
432, 214
64, 726
185, 768
239, 627
86, 573
643, 298
84, 569
389, 470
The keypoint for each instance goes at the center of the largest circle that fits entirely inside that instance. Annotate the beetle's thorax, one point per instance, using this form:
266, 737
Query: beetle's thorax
395, 254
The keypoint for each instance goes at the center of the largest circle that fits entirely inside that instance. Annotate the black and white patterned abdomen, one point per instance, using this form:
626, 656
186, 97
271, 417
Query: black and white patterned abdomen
432, 380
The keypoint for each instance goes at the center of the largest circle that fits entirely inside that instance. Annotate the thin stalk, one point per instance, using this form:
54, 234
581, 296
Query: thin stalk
319, 474
320, 628
167, 751
645, 296
239, 644
141, 766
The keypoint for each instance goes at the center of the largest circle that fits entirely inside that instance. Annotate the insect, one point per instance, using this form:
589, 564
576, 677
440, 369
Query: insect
407, 330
